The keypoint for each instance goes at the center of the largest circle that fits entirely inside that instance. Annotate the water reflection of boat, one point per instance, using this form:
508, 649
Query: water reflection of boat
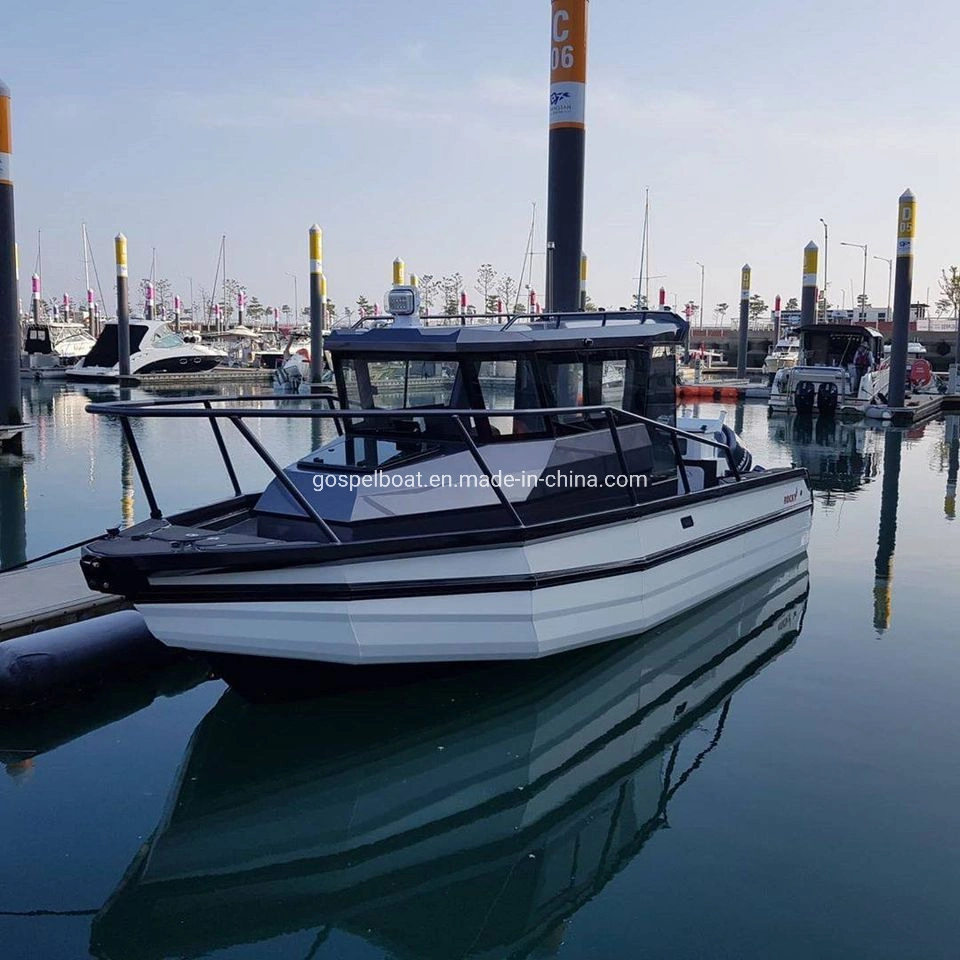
470, 817
838, 455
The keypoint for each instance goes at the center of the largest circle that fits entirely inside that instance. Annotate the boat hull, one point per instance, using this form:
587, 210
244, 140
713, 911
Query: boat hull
520, 601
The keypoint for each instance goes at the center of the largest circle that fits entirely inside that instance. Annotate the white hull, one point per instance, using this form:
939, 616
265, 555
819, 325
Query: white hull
734, 538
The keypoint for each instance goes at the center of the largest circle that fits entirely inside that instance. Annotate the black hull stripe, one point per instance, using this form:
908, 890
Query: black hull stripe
283, 592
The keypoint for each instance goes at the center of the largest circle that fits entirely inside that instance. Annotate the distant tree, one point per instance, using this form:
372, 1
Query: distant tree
364, 307
720, 312
589, 305
792, 304
347, 319
331, 314
428, 291
450, 288
286, 311
255, 310
758, 307
507, 291
863, 302
950, 288
161, 295
638, 302
485, 286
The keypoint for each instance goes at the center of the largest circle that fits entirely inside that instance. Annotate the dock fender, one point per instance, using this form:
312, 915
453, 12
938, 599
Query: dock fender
43, 665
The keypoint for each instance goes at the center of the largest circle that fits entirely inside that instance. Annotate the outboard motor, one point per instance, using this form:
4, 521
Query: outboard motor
741, 455
804, 396
827, 398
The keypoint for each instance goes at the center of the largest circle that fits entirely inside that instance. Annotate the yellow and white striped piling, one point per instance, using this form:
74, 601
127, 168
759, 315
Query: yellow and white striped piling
744, 320
316, 303
808, 298
584, 269
902, 292
123, 304
10, 409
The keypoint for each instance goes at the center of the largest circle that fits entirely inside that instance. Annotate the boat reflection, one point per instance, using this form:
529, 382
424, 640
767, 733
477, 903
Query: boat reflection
469, 817
840, 457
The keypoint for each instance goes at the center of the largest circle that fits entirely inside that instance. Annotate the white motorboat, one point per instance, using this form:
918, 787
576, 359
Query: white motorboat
441, 526
506, 797
154, 348
51, 348
825, 377
784, 353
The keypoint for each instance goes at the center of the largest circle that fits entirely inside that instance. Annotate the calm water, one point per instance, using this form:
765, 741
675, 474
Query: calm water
776, 776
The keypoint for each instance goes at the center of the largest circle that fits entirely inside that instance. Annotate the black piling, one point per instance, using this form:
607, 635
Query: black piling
568, 81
902, 291
10, 409
123, 305
744, 321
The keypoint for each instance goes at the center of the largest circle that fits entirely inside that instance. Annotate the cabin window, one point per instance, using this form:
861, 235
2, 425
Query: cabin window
402, 384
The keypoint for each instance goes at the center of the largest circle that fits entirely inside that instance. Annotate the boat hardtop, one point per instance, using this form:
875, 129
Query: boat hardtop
517, 467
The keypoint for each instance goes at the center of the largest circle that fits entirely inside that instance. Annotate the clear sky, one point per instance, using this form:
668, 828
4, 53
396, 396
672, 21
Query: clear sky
420, 130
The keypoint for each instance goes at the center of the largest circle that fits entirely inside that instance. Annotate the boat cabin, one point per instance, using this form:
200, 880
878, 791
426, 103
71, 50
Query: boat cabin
38, 339
836, 344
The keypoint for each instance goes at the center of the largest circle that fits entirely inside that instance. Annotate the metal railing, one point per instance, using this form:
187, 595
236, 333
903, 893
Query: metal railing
507, 320
177, 408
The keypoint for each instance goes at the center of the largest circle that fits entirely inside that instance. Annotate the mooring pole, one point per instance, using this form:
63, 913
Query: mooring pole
584, 268
241, 305
177, 305
398, 272
776, 320
123, 305
902, 291
91, 320
10, 409
568, 84
887, 535
316, 304
150, 302
35, 297
808, 299
744, 320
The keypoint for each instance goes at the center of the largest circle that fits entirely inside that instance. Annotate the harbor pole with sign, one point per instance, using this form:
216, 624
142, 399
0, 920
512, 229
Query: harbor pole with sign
902, 291
568, 83
744, 321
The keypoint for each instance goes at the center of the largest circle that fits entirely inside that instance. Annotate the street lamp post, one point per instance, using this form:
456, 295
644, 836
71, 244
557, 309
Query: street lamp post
889, 263
826, 238
296, 300
700, 265
862, 312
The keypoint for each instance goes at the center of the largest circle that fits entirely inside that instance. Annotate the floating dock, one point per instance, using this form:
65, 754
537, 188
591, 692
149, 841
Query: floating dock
40, 597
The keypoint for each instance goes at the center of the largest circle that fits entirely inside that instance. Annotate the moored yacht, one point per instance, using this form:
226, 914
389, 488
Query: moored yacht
784, 353
154, 348
482, 502
826, 377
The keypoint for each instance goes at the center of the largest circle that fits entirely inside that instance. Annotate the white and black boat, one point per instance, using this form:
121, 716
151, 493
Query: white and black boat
451, 521
154, 348
341, 815
825, 378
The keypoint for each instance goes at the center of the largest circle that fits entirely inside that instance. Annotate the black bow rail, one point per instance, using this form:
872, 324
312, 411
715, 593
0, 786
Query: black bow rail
177, 408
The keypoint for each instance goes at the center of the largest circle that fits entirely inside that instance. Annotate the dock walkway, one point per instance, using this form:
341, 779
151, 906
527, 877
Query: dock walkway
41, 597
